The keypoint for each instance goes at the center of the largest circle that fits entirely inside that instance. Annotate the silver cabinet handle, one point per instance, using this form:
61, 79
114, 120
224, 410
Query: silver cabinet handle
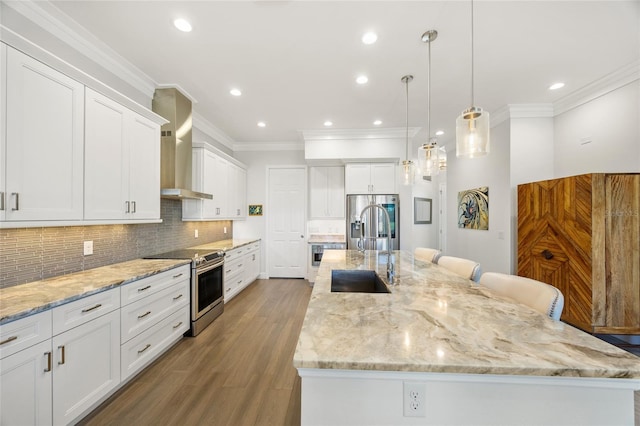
177, 325
48, 355
127, 210
178, 275
61, 355
177, 297
239, 282
84, 311
144, 288
240, 265
9, 339
144, 315
217, 211
2, 201
145, 348
17, 204
133, 207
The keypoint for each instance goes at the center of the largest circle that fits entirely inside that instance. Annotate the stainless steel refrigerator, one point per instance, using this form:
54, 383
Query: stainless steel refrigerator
374, 222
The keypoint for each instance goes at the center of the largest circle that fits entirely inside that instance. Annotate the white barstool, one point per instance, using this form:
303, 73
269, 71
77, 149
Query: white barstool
426, 254
540, 296
466, 268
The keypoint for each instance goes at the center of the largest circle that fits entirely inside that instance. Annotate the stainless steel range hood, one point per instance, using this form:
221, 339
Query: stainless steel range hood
175, 148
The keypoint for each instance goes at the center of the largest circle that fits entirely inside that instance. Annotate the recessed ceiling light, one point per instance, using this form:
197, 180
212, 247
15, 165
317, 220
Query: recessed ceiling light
362, 79
369, 38
328, 123
262, 124
235, 92
377, 122
439, 133
182, 25
556, 86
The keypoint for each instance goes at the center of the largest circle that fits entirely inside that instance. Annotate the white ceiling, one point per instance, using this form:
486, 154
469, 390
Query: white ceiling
296, 61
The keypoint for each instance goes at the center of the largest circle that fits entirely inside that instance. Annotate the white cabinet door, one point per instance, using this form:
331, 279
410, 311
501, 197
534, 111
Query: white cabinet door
375, 178
219, 185
3, 125
238, 195
86, 366
326, 192
25, 386
358, 178
44, 142
106, 158
383, 178
143, 137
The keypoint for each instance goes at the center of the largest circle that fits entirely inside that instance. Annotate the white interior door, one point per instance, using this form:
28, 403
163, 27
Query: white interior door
286, 222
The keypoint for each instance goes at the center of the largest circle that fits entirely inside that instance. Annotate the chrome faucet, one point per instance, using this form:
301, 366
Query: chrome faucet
390, 266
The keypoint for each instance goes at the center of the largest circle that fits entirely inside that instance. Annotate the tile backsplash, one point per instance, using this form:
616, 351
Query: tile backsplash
32, 254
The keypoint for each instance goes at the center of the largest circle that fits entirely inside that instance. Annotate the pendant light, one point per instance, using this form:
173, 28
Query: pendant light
428, 152
408, 170
472, 126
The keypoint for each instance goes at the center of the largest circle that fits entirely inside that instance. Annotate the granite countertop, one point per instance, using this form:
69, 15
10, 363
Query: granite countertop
435, 321
226, 245
27, 299
326, 238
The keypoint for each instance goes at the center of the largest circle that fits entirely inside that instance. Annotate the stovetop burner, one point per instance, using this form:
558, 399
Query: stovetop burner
198, 257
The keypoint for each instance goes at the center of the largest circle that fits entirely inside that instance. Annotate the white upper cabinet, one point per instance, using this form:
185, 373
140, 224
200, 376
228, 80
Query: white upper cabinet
373, 178
219, 176
326, 199
42, 154
122, 161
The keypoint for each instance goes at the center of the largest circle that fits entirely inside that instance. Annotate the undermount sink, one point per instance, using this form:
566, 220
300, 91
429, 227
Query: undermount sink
357, 281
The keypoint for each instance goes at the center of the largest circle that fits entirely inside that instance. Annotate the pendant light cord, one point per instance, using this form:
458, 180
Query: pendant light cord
429, 94
472, 57
406, 152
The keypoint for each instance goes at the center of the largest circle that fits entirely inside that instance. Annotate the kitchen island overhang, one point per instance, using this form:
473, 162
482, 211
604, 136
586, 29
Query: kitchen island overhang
482, 359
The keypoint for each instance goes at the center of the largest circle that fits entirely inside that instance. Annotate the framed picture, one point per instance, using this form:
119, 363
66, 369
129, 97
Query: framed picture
422, 210
255, 209
473, 208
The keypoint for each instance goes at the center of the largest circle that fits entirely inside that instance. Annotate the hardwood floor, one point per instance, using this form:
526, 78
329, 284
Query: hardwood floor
238, 371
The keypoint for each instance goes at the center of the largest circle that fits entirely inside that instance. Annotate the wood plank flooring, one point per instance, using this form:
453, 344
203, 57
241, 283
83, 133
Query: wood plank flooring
238, 371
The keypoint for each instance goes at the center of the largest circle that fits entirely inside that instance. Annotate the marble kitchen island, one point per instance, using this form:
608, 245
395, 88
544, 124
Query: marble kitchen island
472, 358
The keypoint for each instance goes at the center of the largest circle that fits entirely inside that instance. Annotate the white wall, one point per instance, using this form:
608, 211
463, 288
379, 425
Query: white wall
257, 162
492, 248
612, 123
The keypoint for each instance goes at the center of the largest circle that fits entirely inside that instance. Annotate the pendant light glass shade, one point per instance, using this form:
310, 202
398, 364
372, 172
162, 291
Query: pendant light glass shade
408, 170
428, 158
472, 133
472, 126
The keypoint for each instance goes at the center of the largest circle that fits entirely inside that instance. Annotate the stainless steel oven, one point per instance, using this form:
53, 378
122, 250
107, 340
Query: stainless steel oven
317, 249
207, 278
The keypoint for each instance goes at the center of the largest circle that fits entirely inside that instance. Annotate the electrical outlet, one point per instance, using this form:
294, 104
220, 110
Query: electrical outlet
414, 399
195, 234
225, 229
88, 248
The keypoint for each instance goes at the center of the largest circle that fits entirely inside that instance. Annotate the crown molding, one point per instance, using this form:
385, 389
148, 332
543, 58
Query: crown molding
51, 19
352, 134
597, 88
211, 130
281, 146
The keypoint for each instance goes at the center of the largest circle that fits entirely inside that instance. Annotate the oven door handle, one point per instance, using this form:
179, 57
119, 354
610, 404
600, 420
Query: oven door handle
209, 267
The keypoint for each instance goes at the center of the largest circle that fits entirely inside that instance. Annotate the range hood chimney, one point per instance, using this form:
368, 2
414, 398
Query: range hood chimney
175, 147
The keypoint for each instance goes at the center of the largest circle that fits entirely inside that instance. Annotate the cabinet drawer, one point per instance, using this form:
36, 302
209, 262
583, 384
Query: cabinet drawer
142, 349
235, 266
147, 286
232, 285
144, 313
234, 254
20, 334
76, 313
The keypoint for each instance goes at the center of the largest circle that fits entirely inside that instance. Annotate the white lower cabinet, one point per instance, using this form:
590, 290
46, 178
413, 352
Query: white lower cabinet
25, 379
86, 366
241, 268
57, 365
155, 314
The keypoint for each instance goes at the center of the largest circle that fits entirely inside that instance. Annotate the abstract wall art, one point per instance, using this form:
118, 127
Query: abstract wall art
473, 208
